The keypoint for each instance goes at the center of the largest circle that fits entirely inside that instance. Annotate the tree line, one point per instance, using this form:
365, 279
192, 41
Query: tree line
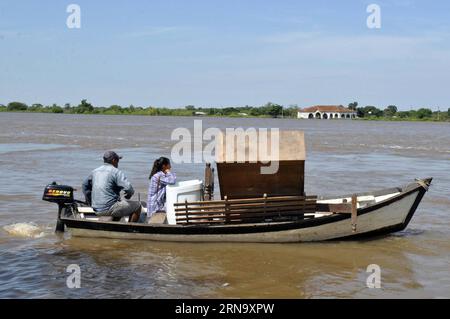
392, 112
269, 109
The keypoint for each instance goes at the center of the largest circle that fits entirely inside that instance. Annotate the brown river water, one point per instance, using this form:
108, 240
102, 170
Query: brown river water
342, 157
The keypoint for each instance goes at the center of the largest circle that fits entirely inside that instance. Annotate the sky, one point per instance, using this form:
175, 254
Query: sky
226, 53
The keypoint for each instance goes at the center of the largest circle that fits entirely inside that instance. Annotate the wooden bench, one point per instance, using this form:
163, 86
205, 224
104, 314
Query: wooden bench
252, 210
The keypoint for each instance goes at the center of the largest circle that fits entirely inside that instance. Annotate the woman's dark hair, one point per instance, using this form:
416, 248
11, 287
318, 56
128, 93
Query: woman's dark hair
158, 165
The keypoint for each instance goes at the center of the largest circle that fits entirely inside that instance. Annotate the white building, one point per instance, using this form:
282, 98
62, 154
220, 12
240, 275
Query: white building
326, 112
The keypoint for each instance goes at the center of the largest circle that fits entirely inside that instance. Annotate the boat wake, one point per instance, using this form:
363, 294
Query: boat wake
29, 230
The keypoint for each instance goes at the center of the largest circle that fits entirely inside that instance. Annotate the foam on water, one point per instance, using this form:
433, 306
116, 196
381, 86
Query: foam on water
29, 230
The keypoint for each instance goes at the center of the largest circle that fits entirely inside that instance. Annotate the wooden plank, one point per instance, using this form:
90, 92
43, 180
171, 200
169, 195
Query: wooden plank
241, 217
202, 222
233, 215
304, 209
239, 221
209, 182
254, 203
239, 214
293, 211
186, 206
251, 200
217, 216
227, 208
210, 212
194, 208
240, 206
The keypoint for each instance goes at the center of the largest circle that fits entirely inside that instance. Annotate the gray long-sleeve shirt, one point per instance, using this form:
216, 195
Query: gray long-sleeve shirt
157, 191
105, 184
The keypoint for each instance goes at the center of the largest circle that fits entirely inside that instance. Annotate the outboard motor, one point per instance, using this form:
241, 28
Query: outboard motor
61, 195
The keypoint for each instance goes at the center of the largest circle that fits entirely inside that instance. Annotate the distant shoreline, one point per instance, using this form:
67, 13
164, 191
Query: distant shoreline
268, 110
372, 118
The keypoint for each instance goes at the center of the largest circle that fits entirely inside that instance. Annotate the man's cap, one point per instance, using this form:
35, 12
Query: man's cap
110, 155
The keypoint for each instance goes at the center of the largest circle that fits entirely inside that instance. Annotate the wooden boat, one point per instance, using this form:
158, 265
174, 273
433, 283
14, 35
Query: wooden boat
242, 216
377, 213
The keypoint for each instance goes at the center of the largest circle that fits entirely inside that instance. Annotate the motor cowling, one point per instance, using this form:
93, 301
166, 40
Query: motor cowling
59, 194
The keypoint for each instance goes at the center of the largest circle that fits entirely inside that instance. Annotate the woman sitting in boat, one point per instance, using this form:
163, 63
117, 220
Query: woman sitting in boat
160, 177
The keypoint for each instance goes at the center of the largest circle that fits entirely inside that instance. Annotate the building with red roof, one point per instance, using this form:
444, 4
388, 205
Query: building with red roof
326, 112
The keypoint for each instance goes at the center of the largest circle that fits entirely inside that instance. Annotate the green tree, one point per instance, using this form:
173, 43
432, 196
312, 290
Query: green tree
84, 107
255, 111
424, 113
353, 106
229, 110
403, 114
291, 111
151, 111
190, 107
276, 110
272, 109
391, 110
131, 109
448, 112
164, 111
138, 110
116, 109
36, 107
372, 111
360, 112
57, 109
17, 106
